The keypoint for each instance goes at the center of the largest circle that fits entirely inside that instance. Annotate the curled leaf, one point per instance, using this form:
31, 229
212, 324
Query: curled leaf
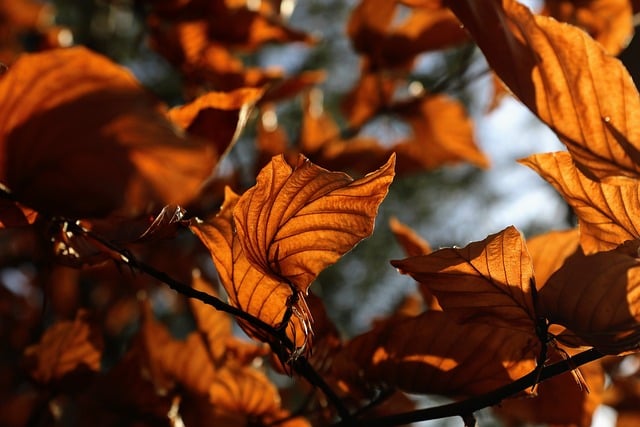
607, 211
298, 220
490, 278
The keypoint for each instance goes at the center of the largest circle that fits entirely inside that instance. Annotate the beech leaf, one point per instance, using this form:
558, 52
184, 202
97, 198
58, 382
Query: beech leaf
597, 298
492, 277
607, 211
66, 347
296, 221
118, 153
561, 74
436, 353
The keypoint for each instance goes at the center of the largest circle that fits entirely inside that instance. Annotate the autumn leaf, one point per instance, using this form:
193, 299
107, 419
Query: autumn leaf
248, 288
437, 353
296, 221
67, 347
412, 244
550, 250
217, 116
586, 96
13, 214
117, 154
488, 281
606, 210
610, 22
595, 297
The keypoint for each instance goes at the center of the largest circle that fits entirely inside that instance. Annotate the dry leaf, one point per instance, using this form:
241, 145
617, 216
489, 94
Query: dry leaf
606, 211
296, 221
586, 96
80, 137
596, 298
610, 22
487, 281
67, 347
549, 251
410, 241
437, 353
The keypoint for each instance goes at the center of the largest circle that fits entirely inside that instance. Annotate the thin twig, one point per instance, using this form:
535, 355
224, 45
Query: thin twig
468, 406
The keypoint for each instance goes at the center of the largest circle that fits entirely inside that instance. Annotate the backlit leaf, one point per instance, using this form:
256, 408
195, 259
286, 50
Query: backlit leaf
436, 353
610, 22
586, 96
80, 137
248, 288
298, 220
549, 251
489, 280
607, 211
67, 347
412, 244
597, 298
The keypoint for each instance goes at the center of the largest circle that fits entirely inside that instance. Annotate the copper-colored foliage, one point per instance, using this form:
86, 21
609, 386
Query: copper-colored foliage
412, 244
550, 250
486, 281
610, 22
437, 353
578, 403
290, 226
66, 348
298, 220
586, 96
118, 153
606, 210
386, 45
217, 116
596, 297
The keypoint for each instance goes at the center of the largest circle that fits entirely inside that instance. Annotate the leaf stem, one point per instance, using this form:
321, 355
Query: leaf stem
468, 406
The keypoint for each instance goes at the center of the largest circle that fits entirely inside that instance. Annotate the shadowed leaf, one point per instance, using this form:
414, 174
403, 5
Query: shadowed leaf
80, 137
436, 353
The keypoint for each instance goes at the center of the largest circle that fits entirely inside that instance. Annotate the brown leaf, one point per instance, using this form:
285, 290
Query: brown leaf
410, 241
606, 210
489, 280
549, 251
610, 22
298, 220
586, 96
442, 134
248, 288
217, 116
595, 296
13, 214
65, 348
436, 353
117, 153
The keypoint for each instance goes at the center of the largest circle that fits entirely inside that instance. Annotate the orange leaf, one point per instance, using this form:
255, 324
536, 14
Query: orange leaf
296, 221
586, 96
436, 353
610, 22
442, 133
249, 289
217, 116
606, 211
80, 137
596, 298
13, 214
410, 241
490, 278
67, 347
549, 251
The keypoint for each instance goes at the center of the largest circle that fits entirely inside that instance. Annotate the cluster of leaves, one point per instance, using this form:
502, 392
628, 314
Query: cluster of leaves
110, 198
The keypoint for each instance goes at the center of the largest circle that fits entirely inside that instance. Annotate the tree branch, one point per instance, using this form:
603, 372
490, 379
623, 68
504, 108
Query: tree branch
468, 406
